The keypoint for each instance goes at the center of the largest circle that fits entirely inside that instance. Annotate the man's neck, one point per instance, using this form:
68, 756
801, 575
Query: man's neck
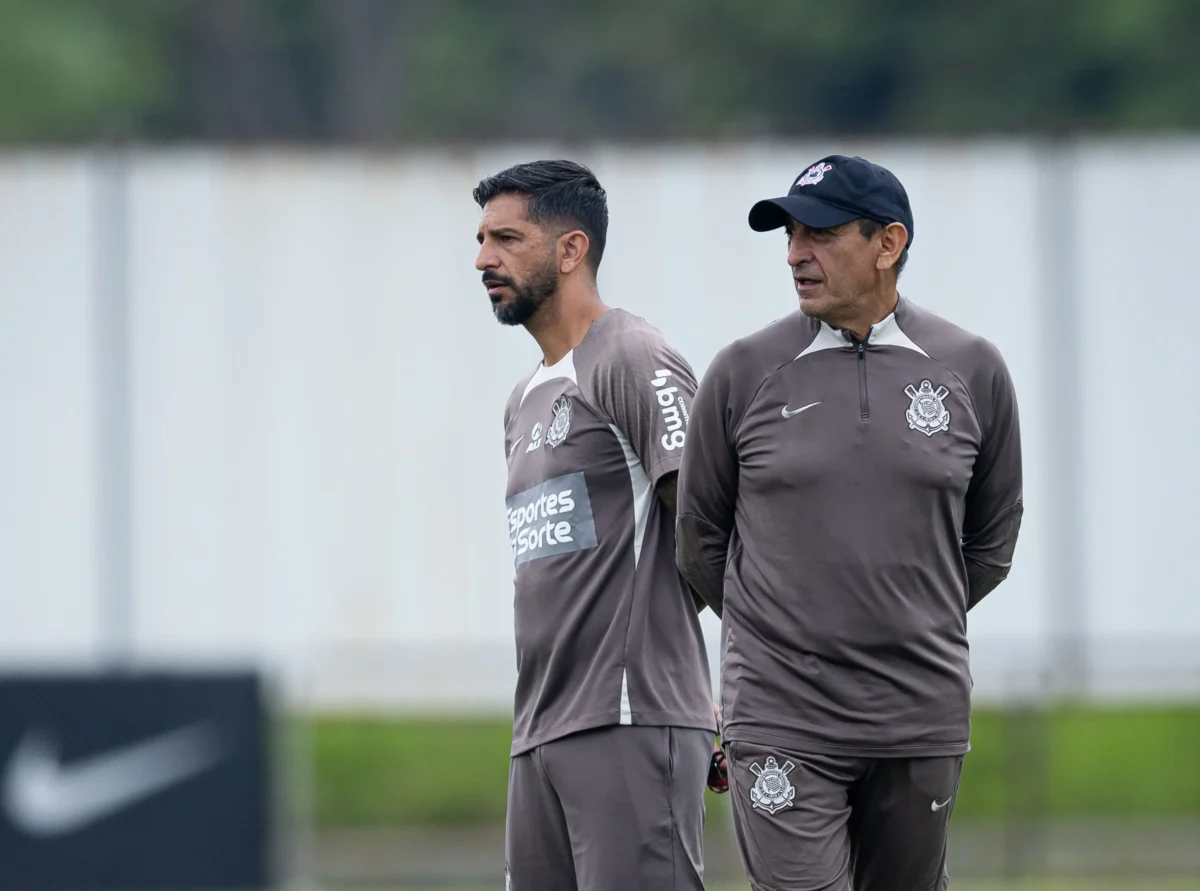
562, 324
874, 311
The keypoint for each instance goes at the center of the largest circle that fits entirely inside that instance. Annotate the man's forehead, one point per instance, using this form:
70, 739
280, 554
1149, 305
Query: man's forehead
505, 210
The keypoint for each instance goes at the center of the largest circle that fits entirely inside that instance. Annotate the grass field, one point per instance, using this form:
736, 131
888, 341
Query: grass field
1098, 788
1066, 763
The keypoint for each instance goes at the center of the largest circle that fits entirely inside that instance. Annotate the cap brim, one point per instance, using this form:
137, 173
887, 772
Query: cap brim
771, 213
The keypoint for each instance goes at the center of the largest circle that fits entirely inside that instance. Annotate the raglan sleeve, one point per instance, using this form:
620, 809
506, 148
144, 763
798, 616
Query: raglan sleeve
513, 436
509, 409
994, 501
708, 482
647, 395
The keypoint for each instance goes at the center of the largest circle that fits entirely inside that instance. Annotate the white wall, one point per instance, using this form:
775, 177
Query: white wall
317, 386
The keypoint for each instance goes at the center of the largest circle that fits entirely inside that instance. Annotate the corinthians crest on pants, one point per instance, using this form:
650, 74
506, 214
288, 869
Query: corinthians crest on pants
561, 425
927, 413
772, 791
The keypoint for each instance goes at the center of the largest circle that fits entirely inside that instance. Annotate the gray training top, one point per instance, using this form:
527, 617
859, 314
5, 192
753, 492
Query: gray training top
844, 504
606, 630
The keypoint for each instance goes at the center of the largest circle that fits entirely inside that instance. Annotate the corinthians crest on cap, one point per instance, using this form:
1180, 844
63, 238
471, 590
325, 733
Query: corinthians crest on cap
814, 174
561, 425
772, 791
927, 412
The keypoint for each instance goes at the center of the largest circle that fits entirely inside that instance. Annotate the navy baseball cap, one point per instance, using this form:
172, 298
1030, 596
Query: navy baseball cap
836, 190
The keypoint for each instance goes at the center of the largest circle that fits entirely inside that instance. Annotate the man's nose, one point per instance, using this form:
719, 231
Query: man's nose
799, 250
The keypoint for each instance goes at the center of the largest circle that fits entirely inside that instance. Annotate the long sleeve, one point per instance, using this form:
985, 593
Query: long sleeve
994, 507
708, 479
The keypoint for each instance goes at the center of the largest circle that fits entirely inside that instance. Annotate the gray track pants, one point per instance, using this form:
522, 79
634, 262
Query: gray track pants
812, 822
615, 809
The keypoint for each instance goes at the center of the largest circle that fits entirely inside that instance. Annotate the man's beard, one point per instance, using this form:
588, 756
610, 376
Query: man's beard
528, 297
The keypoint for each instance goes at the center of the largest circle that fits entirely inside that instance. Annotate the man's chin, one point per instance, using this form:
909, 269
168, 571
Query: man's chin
514, 312
504, 317
814, 306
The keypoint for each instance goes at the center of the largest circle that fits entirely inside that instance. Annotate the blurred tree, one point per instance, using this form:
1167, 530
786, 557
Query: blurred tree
81, 69
392, 71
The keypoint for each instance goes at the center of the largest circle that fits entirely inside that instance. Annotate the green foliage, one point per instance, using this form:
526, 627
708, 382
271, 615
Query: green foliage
79, 69
1070, 762
441, 70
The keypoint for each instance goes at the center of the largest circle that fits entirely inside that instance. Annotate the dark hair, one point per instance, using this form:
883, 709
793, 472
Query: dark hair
868, 227
561, 193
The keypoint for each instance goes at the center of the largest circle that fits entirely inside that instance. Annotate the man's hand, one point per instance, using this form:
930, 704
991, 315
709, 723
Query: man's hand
718, 771
718, 767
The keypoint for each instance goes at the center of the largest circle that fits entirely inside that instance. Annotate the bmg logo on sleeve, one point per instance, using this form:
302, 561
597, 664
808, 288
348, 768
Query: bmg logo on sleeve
673, 410
554, 517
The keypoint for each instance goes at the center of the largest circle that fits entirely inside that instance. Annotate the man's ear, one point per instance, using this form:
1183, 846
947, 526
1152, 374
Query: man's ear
572, 250
893, 239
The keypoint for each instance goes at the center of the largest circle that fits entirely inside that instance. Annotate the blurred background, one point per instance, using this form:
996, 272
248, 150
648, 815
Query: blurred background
255, 586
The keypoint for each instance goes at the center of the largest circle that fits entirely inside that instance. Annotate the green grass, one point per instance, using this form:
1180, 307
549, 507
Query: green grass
1079, 762
412, 772
1069, 762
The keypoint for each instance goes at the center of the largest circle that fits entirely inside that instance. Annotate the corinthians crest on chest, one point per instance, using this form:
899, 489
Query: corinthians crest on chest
927, 412
560, 424
549, 432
